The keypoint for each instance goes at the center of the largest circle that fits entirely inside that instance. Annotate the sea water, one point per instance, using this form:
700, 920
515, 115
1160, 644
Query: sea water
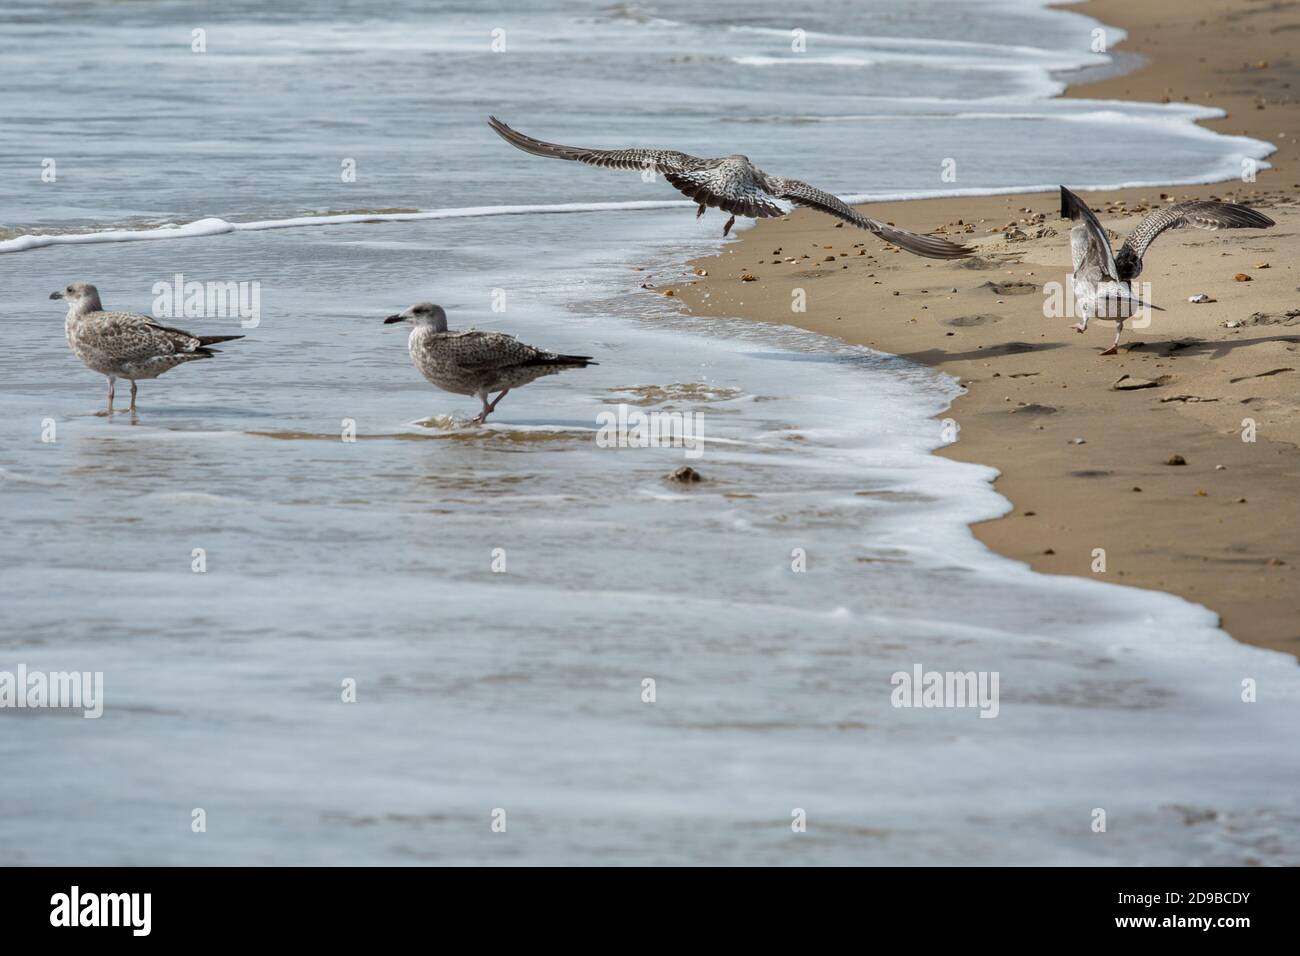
336, 625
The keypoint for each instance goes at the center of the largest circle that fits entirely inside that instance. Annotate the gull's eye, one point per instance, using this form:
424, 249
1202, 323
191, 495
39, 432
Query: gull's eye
68, 289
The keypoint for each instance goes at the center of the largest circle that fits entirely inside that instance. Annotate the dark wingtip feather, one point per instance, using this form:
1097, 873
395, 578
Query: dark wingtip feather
579, 361
931, 247
1070, 204
1256, 219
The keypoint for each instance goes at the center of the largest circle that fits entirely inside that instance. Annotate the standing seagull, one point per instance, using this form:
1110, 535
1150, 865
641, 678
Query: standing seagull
473, 362
124, 344
732, 183
1102, 279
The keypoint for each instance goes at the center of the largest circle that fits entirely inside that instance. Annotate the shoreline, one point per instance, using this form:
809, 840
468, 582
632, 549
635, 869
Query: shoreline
1215, 531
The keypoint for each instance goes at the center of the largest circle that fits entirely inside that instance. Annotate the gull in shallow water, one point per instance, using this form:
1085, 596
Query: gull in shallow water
473, 362
124, 344
1103, 279
734, 184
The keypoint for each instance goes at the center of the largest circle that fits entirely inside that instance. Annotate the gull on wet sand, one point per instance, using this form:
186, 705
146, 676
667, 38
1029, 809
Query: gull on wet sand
734, 184
125, 344
477, 363
1103, 278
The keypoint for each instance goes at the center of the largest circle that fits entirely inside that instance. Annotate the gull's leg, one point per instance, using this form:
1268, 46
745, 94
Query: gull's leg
727, 228
493, 406
1082, 325
111, 382
487, 409
132, 395
1114, 348
700, 212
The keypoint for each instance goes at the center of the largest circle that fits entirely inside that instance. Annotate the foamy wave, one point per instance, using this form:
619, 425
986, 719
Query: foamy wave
801, 60
215, 227
930, 43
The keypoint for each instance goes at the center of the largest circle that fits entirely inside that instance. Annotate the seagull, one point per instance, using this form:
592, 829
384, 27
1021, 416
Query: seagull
1103, 279
471, 362
734, 184
125, 344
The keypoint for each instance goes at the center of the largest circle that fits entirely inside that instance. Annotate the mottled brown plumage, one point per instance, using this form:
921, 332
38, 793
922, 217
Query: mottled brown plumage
477, 363
125, 344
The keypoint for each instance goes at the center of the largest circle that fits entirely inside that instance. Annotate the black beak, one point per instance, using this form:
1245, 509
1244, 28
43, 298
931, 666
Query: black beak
388, 321
56, 295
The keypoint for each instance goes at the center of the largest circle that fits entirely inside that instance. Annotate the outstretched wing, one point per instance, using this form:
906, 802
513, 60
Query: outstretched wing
660, 160
1094, 260
1201, 215
932, 247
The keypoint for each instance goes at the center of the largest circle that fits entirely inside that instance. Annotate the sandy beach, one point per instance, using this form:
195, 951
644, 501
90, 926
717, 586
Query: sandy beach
1084, 442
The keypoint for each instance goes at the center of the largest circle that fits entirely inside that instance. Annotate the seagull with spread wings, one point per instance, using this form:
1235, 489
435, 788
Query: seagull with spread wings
1103, 278
734, 184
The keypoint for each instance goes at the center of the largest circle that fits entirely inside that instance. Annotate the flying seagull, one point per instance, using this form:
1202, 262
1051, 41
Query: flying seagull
124, 344
1102, 277
734, 184
473, 362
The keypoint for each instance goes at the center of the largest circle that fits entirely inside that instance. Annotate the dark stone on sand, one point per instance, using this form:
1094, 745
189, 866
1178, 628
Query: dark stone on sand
1270, 372
1127, 383
1011, 287
1175, 460
966, 321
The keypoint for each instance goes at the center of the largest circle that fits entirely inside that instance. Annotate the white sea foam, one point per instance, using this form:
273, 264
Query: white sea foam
371, 560
214, 227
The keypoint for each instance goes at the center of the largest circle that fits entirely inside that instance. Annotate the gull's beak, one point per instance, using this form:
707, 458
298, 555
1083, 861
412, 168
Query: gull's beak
56, 295
388, 321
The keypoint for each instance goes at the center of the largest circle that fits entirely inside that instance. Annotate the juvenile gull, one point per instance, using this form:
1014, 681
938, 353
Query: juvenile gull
734, 184
1102, 278
473, 362
124, 344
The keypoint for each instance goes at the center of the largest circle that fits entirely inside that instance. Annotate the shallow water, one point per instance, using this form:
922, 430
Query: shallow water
372, 560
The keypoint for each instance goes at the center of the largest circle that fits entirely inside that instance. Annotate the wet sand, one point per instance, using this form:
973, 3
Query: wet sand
1219, 530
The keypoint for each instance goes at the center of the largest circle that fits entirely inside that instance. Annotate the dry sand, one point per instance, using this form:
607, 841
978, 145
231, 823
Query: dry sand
1220, 530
